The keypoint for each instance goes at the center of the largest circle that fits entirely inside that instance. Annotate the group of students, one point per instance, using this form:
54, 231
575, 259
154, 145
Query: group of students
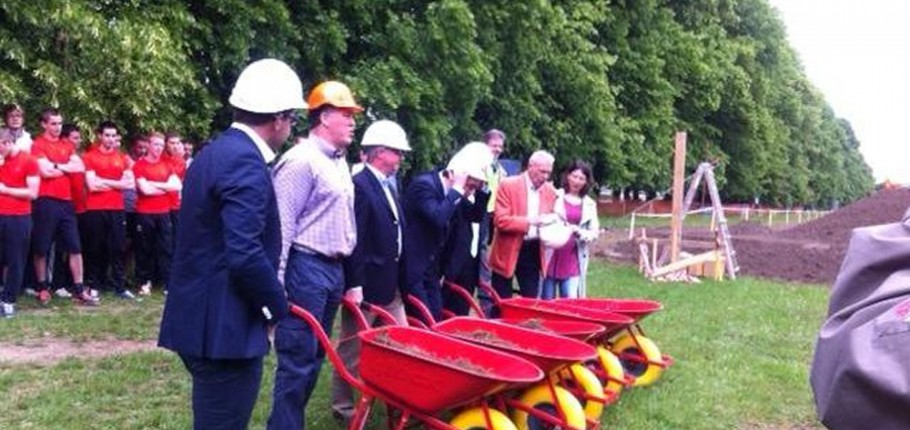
85, 209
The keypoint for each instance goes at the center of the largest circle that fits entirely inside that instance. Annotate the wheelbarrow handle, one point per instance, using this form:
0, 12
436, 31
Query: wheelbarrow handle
327, 345
468, 297
488, 288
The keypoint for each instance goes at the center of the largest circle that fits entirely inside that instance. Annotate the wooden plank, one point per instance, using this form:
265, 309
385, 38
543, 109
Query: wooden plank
682, 264
679, 168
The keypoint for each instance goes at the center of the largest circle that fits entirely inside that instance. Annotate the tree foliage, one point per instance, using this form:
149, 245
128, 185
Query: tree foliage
609, 82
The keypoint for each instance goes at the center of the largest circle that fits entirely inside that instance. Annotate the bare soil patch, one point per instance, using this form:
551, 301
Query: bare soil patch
50, 350
811, 252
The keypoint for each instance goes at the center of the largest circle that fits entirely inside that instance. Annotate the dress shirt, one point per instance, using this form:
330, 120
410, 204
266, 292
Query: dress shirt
386, 182
533, 208
315, 200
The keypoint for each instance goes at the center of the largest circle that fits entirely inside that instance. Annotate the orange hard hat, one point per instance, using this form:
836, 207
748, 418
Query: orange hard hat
332, 93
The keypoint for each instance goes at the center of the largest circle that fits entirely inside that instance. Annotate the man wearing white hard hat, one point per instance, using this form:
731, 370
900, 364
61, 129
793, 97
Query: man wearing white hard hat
372, 272
430, 202
223, 291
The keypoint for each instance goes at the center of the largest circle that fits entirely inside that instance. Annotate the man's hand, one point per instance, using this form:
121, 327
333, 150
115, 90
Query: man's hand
355, 295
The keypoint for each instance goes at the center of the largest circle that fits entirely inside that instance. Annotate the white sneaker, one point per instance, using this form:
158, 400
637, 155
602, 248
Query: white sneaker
92, 292
61, 292
8, 310
31, 292
145, 289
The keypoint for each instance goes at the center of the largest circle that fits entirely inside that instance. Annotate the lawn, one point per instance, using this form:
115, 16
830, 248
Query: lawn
742, 351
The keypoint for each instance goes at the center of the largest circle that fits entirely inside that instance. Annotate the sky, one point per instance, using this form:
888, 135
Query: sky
857, 53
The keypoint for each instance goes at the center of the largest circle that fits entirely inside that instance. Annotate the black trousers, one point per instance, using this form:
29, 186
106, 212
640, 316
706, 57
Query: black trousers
527, 271
14, 243
154, 247
224, 391
105, 248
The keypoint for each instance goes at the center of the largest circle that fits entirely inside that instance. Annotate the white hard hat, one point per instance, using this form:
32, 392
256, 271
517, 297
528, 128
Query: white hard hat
267, 86
473, 159
555, 235
386, 133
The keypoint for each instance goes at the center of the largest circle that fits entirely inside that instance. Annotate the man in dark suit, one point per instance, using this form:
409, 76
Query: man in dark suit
430, 202
373, 271
224, 293
460, 255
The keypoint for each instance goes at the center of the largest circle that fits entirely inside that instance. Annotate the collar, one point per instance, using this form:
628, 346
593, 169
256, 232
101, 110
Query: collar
529, 183
267, 153
325, 147
383, 179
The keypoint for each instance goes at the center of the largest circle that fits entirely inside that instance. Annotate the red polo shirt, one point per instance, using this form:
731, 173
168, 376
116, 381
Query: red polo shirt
13, 173
110, 165
57, 152
178, 165
158, 171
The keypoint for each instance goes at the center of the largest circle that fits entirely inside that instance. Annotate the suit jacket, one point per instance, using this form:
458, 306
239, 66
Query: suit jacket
510, 218
457, 251
224, 268
429, 211
375, 264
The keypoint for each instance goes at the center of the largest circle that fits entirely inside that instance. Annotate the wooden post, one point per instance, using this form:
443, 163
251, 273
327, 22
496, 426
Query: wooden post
679, 168
799, 217
770, 218
787, 217
632, 227
747, 214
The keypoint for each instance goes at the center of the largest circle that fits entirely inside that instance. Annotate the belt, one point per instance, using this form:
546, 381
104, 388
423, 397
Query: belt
311, 252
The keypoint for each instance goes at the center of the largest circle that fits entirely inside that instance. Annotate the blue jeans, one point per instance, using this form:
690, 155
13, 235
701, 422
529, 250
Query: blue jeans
224, 391
315, 284
568, 288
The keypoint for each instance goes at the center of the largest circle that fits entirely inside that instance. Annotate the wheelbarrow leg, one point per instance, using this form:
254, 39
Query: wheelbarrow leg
361, 413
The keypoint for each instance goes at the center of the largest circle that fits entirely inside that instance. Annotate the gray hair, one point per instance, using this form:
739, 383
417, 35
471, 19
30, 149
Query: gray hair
493, 132
541, 157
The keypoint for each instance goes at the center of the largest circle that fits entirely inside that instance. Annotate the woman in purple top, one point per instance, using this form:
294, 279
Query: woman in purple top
567, 266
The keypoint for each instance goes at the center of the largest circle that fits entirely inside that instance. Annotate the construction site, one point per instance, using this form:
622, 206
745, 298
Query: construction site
808, 252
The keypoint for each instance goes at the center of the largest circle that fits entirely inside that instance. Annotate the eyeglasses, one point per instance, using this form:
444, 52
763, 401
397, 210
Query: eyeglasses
290, 116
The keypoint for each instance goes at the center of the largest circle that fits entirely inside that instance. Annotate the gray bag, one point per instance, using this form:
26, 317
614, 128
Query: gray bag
861, 369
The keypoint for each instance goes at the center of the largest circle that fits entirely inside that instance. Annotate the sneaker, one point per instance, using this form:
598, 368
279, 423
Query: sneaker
8, 310
62, 293
145, 289
31, 292
93, 293
85, 299
126, 295
44, 297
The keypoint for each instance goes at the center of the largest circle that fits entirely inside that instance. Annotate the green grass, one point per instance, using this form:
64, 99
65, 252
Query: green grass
742, 351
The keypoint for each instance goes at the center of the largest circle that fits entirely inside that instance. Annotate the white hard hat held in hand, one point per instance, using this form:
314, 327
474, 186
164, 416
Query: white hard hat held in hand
268, 86
386, 133
473, 160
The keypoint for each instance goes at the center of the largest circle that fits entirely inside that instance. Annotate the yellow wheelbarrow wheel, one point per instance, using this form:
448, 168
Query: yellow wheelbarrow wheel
640, 358
541, 399
579, 376
615, 374
475, 419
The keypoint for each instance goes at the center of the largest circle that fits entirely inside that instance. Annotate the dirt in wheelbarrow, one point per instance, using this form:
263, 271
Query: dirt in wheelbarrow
414, 350
810, 252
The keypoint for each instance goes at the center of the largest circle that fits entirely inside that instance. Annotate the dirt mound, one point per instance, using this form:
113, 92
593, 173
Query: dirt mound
811, 252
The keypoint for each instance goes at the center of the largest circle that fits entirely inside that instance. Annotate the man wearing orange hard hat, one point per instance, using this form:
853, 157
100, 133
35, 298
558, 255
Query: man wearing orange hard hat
316, 206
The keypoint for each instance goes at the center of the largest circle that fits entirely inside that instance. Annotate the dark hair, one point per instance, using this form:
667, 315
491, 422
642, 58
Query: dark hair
10, 108
313, 116
585, 169
105, 125
67, 128
252, 118
47, 113
493, 132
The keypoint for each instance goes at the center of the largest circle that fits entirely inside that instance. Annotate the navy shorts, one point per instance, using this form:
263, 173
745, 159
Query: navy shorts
54, 220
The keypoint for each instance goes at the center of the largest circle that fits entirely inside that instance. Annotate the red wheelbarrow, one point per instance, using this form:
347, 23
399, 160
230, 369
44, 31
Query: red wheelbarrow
545, 404
638, 354
422, 374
